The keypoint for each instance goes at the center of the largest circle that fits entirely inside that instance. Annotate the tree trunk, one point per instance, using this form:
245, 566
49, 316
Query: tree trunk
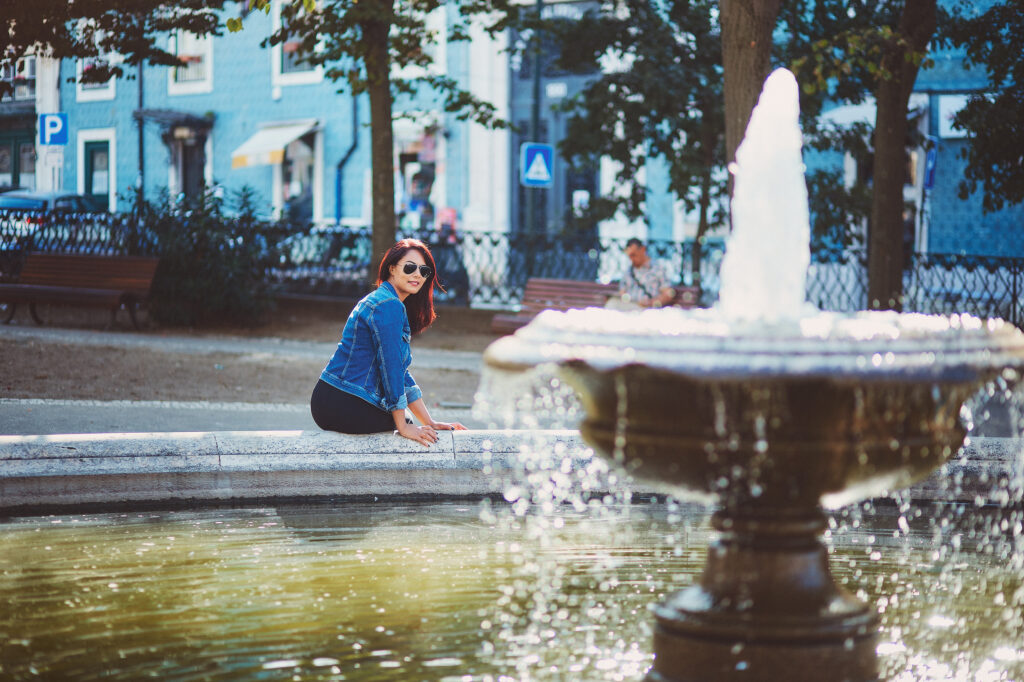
885, 241
378, 74
747, 27
702, 228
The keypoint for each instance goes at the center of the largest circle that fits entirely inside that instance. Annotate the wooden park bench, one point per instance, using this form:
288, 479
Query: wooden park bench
553, 294
80, 279
687, 296
565, 294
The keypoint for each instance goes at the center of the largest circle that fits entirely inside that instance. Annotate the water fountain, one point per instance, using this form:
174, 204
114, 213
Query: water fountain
773, 412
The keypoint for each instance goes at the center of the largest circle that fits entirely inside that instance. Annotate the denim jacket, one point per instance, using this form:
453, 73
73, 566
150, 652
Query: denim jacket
373, 356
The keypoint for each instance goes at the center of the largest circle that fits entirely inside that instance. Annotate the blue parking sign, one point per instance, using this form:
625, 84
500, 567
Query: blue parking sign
53, 129
536, 164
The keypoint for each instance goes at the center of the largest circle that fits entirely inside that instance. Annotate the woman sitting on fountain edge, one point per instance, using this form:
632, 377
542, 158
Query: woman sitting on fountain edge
366, 386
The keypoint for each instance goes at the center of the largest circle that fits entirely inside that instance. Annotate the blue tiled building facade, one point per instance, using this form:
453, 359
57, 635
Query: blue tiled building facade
942, 221
238, 114
241, 115
959, 225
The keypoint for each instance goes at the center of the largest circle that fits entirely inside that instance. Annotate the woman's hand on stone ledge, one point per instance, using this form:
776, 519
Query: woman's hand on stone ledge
421, 434
446, 426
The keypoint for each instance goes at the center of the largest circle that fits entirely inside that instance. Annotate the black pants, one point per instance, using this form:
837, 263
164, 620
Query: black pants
336, 410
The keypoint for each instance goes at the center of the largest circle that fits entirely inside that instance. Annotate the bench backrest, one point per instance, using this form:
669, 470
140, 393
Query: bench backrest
686, 296
130, 274
564, 294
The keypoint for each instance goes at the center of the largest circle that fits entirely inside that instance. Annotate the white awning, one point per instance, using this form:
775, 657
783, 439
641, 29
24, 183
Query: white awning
848, 114
267, 145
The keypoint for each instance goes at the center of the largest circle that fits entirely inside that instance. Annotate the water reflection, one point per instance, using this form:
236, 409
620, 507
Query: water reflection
464, 592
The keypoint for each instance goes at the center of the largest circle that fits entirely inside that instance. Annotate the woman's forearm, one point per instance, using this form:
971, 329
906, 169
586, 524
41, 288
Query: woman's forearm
419, 410
399, 417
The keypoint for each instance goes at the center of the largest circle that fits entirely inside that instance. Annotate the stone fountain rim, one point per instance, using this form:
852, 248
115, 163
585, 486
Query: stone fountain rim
963, 349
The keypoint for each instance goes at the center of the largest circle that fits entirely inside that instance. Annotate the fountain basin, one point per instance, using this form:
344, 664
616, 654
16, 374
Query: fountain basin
834, 409
771, 422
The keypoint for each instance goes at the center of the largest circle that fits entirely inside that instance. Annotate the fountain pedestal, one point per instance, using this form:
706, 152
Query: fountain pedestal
766, 607
769, 449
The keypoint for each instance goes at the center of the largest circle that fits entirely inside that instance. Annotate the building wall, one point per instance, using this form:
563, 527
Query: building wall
245, 95
956, 225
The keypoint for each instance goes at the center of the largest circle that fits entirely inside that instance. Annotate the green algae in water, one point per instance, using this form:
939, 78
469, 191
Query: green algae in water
453, 591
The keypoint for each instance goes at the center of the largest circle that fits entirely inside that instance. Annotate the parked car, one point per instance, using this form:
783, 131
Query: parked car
30, 200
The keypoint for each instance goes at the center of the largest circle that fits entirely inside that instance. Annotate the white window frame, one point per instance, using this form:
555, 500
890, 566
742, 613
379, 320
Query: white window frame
191, 87
277, 77
107, 92
108, 135
27, 65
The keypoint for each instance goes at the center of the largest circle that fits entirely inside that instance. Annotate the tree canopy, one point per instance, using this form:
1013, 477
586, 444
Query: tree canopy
361, 43
659, 96
80, 29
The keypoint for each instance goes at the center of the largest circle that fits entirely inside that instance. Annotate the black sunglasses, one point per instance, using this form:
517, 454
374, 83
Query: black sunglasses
425, 271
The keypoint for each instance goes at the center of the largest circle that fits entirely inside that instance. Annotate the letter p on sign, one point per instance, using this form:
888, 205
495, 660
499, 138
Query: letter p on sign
53, 129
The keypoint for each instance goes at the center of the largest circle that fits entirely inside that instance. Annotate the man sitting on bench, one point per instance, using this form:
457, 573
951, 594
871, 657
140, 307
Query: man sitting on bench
645, 284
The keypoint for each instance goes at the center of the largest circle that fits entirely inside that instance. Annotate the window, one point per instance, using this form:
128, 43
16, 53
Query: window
88, 92
290, 62
22, 75
287, 68
196, 71
17, 160
27, 165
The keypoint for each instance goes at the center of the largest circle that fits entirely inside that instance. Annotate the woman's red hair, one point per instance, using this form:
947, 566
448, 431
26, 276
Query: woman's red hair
419, 306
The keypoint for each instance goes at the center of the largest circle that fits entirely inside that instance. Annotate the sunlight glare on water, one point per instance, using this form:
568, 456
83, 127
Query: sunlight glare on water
460, 592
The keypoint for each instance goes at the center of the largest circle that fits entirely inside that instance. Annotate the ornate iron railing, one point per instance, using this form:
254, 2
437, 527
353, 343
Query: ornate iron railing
986, 286
22, 231
490, 269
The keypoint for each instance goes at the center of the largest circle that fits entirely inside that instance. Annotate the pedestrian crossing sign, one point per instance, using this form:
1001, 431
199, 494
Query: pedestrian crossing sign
536, 164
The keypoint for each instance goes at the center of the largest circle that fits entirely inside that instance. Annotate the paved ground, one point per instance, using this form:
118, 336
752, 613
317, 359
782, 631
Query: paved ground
50, 416
75, 379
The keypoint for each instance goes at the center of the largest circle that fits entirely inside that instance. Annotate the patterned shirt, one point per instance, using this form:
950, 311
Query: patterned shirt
645, 282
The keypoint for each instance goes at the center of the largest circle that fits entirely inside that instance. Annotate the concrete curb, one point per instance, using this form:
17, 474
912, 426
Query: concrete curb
116, 468
43, 472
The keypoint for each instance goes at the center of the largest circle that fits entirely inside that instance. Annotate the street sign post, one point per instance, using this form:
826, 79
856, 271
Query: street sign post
53, 129
536, 164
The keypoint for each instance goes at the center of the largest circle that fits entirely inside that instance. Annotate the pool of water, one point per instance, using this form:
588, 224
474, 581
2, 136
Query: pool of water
466, 592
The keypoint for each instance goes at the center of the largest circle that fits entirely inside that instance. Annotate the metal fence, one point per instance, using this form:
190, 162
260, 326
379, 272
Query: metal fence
22, 231
933, 283
489, 269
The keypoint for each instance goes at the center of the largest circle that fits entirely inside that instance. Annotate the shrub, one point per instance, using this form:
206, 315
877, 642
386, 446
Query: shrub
213, 267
